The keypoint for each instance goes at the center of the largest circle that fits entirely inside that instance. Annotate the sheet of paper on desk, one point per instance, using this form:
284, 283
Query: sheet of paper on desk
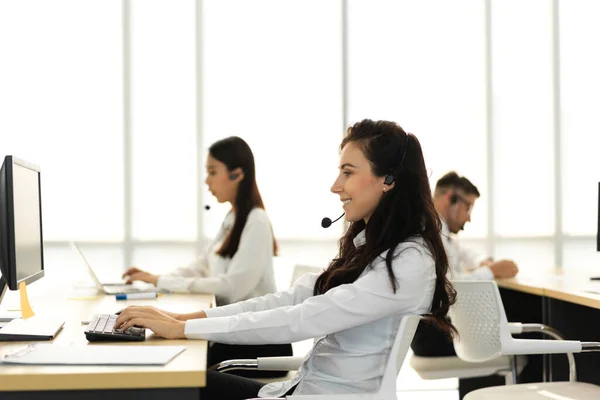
592, 287
53, 354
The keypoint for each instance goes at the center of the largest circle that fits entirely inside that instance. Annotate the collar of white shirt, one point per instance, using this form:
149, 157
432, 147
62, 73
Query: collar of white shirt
360, 239
228, 221
445, 230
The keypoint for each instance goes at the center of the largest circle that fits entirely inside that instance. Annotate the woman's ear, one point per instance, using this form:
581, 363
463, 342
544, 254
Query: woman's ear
236, 175
388, 183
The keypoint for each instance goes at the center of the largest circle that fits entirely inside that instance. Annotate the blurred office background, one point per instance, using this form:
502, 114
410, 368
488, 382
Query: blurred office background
118, 100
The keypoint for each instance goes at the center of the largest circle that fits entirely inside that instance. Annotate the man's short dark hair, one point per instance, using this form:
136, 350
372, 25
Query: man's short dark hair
455, 182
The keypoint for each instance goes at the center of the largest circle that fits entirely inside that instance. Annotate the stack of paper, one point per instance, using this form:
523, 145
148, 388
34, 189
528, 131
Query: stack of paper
53, 354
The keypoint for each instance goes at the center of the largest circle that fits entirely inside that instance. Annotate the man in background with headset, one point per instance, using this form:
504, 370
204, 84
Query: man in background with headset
454, 198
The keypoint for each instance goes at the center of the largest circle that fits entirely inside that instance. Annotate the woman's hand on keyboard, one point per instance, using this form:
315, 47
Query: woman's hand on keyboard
178, 317
135, 274
152, 318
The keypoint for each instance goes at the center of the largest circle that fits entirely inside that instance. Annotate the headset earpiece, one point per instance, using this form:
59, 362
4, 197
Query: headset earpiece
233, 177
453, 199
389, 180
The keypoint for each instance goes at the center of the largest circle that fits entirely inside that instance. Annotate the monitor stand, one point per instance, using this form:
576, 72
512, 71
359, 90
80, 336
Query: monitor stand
33, 328
6, 316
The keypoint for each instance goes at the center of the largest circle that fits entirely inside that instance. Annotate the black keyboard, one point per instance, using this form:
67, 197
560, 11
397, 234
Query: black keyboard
101, 328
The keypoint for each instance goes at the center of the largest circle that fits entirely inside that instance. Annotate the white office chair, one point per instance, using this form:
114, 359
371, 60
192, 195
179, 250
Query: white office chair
301, 269
453, 367
387, 390
484, 334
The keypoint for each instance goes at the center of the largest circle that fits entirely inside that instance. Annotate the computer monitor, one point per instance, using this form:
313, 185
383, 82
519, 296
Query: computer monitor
21, 242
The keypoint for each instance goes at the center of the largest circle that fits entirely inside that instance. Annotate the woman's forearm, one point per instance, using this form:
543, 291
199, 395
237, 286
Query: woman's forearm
194, 315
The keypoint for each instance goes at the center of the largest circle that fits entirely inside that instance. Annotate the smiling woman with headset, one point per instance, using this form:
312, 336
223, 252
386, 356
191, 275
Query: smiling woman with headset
391, 263
239, 262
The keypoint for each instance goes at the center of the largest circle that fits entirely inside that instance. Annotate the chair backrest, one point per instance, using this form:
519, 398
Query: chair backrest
387, 390
404, 337
479, 317
483, 330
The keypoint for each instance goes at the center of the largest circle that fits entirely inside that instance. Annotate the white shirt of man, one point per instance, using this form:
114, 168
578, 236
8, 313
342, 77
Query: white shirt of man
465, 264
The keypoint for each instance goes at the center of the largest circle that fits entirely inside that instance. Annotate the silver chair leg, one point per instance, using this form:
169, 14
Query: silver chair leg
508, 377
514, 369
547, 330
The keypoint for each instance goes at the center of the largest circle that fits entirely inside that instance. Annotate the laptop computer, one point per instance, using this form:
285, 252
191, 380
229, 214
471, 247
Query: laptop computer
111, 288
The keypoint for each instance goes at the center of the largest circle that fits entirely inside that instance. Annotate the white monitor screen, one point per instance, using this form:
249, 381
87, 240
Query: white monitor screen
26, 196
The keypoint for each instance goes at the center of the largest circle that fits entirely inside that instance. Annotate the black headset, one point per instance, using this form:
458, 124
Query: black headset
454, 198
233, 177
391, 178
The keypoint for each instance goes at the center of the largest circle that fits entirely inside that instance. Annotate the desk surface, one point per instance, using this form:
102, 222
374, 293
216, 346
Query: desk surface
187, 370
570, 286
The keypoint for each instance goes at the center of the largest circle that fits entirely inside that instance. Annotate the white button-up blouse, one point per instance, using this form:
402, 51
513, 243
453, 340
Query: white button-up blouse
356, 323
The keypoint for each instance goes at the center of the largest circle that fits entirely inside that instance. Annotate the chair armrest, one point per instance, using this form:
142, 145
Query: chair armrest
515, 328
279, 363
260, 364
538, 346
547, 330
590, 346
234, 365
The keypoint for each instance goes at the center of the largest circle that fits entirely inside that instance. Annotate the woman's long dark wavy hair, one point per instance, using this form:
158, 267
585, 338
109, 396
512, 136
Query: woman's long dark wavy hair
404, 212
234, 152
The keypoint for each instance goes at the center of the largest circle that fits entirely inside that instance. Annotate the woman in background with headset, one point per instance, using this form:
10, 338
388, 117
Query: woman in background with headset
239, 262
391, 263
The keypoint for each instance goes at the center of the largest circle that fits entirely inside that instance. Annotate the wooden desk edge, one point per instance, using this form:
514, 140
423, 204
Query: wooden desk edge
134, 380
574, 295
521, 287
589, 300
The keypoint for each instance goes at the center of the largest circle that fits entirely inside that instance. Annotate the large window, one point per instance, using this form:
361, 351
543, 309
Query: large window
422, 64
163, 106
523, 136
61, 107
580, 102
272, 75
118, 101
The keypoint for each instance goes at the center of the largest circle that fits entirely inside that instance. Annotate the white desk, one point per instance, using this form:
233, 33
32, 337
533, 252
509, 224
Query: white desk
562, 285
